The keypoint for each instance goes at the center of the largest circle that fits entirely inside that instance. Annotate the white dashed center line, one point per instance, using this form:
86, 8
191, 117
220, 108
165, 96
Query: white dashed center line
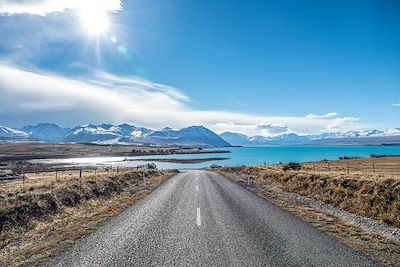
197, 188
198, 221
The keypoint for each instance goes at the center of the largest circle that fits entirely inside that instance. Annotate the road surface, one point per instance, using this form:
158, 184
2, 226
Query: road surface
199, 218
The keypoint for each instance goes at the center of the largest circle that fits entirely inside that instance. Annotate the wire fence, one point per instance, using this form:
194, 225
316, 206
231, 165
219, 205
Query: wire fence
337, 167
353, 168
26, 179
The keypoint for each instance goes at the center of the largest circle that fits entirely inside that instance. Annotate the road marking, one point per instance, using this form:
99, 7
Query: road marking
197, 178
198, 221
197, 188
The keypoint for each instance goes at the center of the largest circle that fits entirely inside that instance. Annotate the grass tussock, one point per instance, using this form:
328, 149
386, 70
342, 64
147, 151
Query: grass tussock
17, 209
378, 199
37, 222
382, 251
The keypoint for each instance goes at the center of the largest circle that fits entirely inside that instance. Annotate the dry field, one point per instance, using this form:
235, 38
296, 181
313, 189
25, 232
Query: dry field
363, 191
50, 178
371, 168
39, 220
25, 151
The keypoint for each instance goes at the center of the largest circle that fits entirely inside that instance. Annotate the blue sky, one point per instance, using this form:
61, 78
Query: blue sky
256, 67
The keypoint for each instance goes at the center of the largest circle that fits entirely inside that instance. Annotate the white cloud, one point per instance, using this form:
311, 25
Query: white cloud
324, 116
263, 128
268, 129
342, 124
396, 104
45, 7
30, 97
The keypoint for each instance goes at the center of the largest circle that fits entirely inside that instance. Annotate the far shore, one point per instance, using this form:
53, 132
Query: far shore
182, 161
17, 157
29, 151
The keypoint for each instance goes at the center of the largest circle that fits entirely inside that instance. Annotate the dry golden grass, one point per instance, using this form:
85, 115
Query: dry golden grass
381, 250
25, 151
369, 194
368, 168
38, 224
51, 178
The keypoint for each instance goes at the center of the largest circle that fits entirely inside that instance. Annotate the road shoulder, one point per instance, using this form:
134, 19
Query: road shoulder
382, 250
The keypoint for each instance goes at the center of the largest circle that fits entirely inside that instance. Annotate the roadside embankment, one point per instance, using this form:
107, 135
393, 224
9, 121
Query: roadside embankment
361, 210
377, 199
36, 222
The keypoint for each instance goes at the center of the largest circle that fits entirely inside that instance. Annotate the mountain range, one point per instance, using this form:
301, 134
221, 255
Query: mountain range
360, 137
113, 134
190, 136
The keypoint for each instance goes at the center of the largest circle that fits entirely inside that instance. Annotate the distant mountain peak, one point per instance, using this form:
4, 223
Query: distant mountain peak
10, 134
373, 137
47, 132
113, 134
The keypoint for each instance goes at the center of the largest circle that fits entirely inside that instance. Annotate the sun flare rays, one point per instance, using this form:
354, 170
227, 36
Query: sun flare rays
95, 20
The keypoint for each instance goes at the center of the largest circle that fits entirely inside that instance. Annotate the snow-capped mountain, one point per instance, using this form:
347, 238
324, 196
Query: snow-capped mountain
9, 134
393, 132
190, 136
284, 139
124, 133
198, 135
115, 134
238, 139
107, 134
47, 132
94, 133
360, 137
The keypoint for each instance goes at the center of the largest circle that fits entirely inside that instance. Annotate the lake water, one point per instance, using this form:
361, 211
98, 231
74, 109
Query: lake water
239, 156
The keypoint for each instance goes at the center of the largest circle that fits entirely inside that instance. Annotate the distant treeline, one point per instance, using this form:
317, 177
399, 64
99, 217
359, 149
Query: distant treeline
383, 156
372, 156
347, 157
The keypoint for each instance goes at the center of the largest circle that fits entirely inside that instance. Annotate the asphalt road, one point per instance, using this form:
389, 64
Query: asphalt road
199, 218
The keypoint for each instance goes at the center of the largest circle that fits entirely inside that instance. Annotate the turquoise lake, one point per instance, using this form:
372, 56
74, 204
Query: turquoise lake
243, 156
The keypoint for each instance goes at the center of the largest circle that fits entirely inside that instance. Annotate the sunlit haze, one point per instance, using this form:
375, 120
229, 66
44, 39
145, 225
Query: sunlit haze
252, 67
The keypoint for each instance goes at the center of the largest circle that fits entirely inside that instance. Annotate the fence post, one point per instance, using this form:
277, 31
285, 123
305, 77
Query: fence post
144, 181
373, 167
80, 173
348, 168
56, 175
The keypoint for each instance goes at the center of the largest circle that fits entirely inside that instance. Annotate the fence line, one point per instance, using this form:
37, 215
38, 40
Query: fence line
47, 176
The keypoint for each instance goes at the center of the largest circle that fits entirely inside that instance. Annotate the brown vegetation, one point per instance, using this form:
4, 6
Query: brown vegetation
364, 192
26, 151
37, 221
373, 196
367, 168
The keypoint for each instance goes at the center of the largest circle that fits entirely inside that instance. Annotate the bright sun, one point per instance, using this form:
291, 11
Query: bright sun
95, 20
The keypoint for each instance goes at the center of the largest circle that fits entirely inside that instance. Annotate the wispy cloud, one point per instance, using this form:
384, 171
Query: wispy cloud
272, 129
234, 100
263, 128
45, 7
32, 96
335, 123
396, 104
342, 124
324, 116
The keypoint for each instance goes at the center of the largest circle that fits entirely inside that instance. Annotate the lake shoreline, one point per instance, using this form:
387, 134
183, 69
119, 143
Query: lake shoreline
32, 151
181, 161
